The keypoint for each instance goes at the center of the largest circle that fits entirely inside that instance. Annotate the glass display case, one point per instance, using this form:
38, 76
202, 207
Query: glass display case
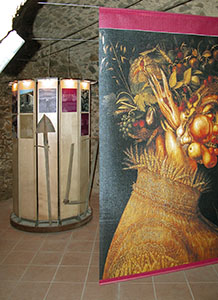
51, 154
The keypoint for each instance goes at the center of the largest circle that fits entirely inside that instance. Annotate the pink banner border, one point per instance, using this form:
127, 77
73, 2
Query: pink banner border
131, 19
160, 272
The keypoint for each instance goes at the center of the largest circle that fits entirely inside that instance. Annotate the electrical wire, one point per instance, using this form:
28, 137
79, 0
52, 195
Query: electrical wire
176, 5
69, 4
92, 39
66, 48
70, 34
60, 39
88, 26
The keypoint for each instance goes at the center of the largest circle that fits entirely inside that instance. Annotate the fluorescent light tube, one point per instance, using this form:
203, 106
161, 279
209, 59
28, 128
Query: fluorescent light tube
9, 47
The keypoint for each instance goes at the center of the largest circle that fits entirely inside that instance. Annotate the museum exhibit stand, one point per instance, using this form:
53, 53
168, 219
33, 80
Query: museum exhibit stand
51, 154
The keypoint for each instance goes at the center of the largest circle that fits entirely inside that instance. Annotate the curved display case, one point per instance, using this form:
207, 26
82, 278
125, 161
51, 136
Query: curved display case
51, 126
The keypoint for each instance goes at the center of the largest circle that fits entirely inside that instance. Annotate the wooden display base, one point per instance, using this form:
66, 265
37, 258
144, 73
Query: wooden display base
56, 226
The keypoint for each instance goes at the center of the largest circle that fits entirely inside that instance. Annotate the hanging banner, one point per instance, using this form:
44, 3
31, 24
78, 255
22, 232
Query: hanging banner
158, 142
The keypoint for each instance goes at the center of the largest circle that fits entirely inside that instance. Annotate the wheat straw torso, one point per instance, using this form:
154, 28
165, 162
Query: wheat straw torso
160, 228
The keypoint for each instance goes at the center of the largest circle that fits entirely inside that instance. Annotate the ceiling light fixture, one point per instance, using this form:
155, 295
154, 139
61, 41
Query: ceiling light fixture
9, 47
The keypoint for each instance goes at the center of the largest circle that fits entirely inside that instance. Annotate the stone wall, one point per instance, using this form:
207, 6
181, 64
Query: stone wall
80, 61
5, 142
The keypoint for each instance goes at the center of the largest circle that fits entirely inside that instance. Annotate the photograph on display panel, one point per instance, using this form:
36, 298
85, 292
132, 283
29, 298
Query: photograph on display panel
47, 100
14, 102
84, 124
158, 144
26, 101
85, 100
69, 100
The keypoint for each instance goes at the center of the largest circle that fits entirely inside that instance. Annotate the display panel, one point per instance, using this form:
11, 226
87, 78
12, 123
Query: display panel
14, 126
47, 157
84, 124
26, 126
69, 165
158, 143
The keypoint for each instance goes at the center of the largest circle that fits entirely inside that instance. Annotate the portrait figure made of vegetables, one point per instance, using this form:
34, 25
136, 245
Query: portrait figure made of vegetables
167, 108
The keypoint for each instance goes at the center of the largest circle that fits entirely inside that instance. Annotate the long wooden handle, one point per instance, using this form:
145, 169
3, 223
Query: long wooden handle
47, 177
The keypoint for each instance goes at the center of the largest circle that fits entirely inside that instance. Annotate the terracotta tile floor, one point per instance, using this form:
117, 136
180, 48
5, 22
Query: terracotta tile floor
64, 266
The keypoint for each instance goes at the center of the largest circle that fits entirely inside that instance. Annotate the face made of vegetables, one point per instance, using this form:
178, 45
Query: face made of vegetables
191, 136
202, 132
171, 103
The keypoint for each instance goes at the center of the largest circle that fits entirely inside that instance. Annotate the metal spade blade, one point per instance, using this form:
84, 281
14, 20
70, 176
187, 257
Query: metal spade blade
45, 126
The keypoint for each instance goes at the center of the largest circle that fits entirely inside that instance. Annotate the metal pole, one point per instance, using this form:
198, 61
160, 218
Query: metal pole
92, 175
69, 4
69, 176
45, 136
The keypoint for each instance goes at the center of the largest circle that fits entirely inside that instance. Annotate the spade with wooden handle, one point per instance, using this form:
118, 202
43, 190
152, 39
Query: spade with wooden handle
45, 126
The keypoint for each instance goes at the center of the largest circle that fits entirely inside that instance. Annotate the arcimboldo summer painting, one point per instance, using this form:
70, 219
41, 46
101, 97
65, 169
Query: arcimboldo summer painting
158, 151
